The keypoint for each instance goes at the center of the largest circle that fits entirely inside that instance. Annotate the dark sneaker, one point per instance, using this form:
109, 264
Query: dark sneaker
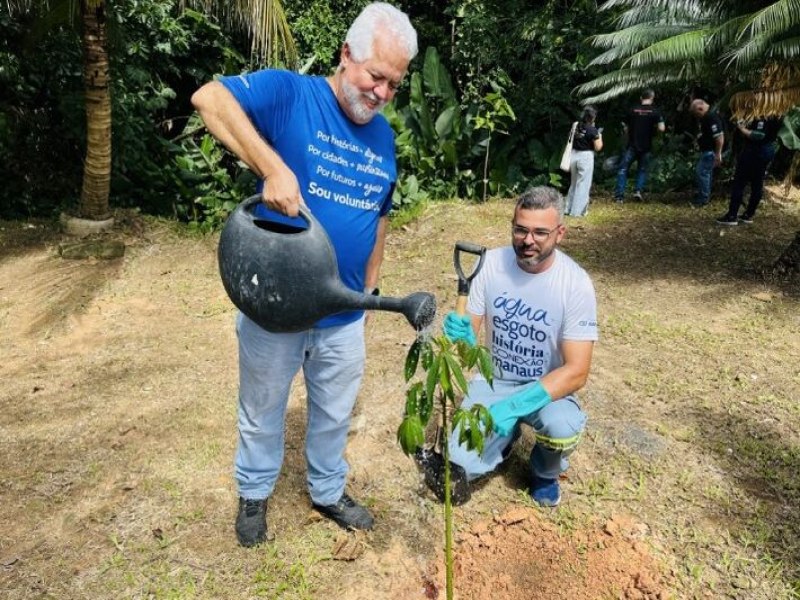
727, 219
746, 219
637, 196
251, 522
619, 200
347, 513
545, 492
432, 465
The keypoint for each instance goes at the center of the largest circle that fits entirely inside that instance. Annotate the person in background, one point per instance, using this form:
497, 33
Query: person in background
710, 142
760, 136
322, 142
640, 125
588, 140
538, 312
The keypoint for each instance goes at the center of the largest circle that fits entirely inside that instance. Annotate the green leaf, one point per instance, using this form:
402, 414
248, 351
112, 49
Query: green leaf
412, 399
475, 435
437, 80
419, 104
790, 130
412, 359
445, 121
485, 366
445, 382
484, 416
433, 377
207, 146
425, 406
460, 425
457, 373
410, 434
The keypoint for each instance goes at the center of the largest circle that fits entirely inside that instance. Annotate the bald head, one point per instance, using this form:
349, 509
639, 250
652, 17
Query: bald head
698, 107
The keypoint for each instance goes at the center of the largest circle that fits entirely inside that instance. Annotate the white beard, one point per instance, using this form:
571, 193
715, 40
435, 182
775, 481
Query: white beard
354, 100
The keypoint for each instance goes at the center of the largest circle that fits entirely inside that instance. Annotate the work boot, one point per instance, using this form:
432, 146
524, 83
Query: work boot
545, 492
432, 465
347, 513
251, 522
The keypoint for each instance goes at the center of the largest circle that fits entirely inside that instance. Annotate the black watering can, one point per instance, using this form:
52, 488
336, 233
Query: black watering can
286, 278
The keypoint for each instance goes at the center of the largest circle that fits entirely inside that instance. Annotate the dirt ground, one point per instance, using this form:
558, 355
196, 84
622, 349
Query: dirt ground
118, 426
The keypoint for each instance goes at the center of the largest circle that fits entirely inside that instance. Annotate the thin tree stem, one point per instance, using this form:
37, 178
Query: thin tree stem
448, 507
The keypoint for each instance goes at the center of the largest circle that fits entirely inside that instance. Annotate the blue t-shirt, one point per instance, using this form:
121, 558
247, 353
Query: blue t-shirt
346, 171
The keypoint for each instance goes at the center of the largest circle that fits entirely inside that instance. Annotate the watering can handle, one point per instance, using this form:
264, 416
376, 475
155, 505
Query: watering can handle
302, 211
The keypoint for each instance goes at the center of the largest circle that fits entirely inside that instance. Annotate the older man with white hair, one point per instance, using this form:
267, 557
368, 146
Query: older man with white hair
321, 142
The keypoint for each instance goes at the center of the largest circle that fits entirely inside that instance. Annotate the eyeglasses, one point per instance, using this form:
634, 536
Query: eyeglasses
538, 235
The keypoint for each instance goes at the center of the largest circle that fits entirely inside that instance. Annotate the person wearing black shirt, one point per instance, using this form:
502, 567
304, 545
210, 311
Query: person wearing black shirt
588, 140
641, 124
759, 149
710, 142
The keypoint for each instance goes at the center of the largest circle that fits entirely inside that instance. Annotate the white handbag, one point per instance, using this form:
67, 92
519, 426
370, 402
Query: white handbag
568, 149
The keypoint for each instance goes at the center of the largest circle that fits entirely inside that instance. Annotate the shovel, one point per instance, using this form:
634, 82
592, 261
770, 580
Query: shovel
430, 459
464, 280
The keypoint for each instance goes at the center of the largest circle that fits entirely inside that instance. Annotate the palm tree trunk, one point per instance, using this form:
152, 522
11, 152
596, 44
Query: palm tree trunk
97, 168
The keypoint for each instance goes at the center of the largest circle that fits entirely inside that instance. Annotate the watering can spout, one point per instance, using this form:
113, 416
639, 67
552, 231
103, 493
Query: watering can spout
419, 308
286, 278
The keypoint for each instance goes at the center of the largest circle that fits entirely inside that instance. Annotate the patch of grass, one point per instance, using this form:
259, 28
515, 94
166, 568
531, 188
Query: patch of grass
408, 215
695, 346
281, 579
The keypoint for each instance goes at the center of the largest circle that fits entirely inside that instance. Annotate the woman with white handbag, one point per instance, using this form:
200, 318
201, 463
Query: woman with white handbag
586, 140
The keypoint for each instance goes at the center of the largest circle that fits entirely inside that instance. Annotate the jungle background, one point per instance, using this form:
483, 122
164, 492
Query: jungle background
485, 112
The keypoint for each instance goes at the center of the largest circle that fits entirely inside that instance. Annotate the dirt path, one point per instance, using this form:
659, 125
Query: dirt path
117, 428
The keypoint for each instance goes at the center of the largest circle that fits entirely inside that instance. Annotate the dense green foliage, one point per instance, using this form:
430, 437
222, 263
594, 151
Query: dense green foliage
745, 51
485, 110
41, 118
159, 56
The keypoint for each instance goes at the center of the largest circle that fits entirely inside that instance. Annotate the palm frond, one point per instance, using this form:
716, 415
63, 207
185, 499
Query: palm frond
628, 85
265, 23
659, 41
752, 50
787, 49
635, 37
765, 103
672, 12
687, 46
641, 77
726, 34
773, 20
622, 51
687, 6
776, 92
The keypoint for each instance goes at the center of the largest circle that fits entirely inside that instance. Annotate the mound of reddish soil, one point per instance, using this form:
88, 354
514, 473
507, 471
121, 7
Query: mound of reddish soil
518, 556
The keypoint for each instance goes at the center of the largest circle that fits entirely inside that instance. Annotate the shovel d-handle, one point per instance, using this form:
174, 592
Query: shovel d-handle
464, 280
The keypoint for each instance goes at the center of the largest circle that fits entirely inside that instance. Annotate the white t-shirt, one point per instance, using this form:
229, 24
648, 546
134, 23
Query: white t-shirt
526, 315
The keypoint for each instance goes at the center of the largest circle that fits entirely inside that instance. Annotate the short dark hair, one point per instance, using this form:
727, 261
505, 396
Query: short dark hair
541, 197
648, 94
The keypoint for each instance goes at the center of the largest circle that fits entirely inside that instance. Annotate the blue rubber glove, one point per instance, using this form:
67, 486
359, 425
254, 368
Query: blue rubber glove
508, 411
459, 327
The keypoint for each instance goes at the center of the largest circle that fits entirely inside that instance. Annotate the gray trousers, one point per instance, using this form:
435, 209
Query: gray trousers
581, 168
558, 427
